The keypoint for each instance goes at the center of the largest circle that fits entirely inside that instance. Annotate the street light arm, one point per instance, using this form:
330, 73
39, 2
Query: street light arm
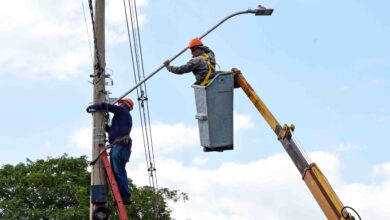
260, 10
225, 19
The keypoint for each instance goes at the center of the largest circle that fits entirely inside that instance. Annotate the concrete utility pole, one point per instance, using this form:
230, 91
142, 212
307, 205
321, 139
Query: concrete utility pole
98, 175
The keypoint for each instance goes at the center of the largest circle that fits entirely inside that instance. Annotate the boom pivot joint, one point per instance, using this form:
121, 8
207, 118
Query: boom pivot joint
286, 131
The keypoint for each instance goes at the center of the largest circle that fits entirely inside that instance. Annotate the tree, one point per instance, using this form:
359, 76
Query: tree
149, 204
59, 188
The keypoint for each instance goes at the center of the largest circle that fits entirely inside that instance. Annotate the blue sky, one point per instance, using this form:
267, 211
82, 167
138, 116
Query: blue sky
321, 65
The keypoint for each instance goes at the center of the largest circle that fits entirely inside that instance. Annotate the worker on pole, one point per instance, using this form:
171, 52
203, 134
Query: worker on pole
120, 141
202, 63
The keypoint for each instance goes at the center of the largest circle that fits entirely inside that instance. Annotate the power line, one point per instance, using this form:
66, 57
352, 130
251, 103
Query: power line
86, 27
135, 71
97, 64
138, 70
146, 93
147, 118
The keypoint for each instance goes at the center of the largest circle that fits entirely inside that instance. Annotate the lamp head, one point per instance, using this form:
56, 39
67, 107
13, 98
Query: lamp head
262, 11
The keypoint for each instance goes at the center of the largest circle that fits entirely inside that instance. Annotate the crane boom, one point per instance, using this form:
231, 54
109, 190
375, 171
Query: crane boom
311, 173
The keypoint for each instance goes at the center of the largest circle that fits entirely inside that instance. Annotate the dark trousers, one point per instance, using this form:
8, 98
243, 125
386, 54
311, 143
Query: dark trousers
119, 156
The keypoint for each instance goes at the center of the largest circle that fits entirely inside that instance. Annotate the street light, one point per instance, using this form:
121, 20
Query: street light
263, 11
259, 11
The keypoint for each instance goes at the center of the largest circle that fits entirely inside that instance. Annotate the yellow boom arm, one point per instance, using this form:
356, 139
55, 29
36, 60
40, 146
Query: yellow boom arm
311, 174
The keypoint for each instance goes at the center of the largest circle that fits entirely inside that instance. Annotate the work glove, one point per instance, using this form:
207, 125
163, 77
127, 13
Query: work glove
90, 109
167, 62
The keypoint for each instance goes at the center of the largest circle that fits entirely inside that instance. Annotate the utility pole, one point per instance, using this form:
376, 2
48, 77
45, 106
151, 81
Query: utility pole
98, 208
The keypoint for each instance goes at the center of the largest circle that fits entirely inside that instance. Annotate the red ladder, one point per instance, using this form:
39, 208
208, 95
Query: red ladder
113, 185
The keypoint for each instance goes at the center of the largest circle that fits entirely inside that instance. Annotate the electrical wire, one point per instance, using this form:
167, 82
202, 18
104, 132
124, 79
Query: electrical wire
146, 93
136, 80
86, 26
138, 69
152, 169
97, 64
141, 68
139, 73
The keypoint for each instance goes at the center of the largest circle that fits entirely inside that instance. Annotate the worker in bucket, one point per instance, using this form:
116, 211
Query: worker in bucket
120, 141
202, 63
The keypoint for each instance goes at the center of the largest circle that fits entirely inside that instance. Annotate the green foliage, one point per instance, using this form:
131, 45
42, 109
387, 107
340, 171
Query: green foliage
52, 189
149, 204
59, 188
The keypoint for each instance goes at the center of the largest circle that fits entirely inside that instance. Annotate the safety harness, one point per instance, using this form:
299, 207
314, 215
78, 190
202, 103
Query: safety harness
124, 139
211, 64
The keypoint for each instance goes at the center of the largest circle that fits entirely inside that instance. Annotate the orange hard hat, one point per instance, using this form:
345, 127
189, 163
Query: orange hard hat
195, 42
128, 101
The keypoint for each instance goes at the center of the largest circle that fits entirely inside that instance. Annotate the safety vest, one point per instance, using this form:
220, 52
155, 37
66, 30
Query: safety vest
211, 65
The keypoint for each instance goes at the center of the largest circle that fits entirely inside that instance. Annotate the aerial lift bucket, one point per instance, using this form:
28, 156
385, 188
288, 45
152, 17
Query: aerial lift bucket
214, 107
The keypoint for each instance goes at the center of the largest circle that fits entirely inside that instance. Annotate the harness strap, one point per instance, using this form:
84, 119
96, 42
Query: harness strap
211, 69
124, 139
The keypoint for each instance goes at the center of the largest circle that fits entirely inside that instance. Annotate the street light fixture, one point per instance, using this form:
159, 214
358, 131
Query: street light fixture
263, 11
259, 11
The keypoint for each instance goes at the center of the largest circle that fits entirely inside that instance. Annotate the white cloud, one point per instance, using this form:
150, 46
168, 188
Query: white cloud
167, 138
46, 40
269, 188
199, 161
82, 138
347, 147
371, 200
43, 40
254, 190
15, 13
242, 122
381, 173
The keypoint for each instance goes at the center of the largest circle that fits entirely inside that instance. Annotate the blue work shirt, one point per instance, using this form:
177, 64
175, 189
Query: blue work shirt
121, 122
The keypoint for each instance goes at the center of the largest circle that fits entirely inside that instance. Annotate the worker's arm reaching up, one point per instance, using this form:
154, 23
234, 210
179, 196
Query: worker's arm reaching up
196, 64
102, 106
